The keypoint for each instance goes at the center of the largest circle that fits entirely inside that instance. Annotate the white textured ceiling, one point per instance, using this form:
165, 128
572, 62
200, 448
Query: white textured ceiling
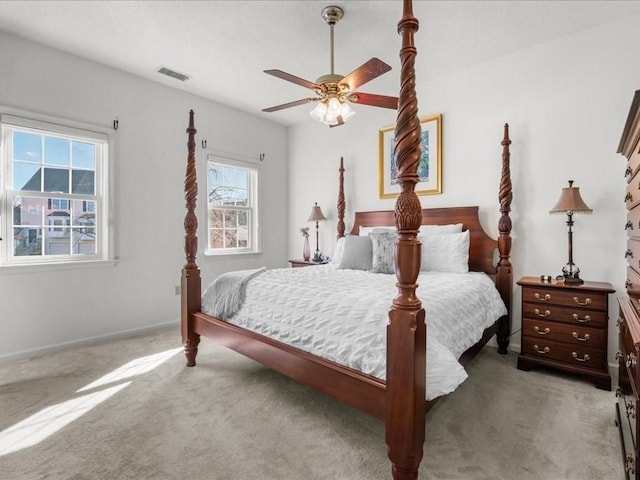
225, 45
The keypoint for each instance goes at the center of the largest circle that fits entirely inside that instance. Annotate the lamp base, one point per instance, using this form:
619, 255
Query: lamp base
571, 275
317, 256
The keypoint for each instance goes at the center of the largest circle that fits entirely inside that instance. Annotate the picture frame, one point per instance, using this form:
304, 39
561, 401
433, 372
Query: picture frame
430, 168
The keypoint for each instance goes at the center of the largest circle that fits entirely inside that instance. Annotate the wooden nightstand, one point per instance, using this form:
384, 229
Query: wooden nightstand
565, 327
304, 263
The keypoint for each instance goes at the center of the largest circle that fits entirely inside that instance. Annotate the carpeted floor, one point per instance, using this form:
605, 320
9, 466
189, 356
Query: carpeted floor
231, 419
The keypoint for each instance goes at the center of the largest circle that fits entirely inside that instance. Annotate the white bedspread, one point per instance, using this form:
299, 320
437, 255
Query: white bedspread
341, 315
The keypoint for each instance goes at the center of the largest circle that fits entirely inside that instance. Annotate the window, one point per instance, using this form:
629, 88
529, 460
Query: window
54, 195
232, 189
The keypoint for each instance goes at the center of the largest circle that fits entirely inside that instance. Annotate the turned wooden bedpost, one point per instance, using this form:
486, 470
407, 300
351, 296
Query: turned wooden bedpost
406, 331
190, 284
341, 204
504, 279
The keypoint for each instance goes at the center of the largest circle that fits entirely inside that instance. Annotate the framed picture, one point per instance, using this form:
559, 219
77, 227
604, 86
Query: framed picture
430, 167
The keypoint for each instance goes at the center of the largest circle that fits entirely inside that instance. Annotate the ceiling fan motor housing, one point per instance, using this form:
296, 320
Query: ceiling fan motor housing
332, 14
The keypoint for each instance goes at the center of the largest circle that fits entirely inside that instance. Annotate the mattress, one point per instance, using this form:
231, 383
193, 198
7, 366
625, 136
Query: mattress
341, 315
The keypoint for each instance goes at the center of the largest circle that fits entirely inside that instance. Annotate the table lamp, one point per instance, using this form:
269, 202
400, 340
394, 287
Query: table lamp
571, 202
316, 216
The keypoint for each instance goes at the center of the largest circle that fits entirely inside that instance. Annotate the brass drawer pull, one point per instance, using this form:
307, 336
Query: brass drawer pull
585, 358
629, 465
587, 301
631, 360
545, 314
576, 317
581, 339
619, 322
544, 332
619, 355
543, 351
631, 409
619, 392
628, 284
628, 197
628, 253
542, 299
627, 172
628, 225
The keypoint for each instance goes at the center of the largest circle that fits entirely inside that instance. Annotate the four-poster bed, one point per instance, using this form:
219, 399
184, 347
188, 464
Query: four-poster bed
399, 399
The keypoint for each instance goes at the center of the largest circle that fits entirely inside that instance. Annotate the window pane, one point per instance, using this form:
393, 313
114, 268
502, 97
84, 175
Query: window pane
27, 211
230, 238
27, 147
243, 217
56, 241
84, 241
56, 151
56, 180
83, 182
215, 218
27, 241
84, 155
26, 176
230, 219
216, 238
83, 213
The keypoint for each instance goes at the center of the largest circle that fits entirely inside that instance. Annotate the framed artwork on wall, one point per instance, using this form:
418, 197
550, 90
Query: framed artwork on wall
430, 167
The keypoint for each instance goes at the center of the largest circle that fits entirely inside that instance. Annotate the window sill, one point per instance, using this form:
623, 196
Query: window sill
55, 267
216, 253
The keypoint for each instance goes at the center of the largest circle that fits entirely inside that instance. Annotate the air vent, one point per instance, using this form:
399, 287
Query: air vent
173, 74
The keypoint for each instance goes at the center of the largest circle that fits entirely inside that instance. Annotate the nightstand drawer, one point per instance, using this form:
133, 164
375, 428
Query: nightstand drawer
577, 316
575, 299
568, 354
578, 335
632, 196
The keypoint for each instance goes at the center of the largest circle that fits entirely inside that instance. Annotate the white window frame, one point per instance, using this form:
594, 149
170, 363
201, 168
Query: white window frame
103, 142
230, 160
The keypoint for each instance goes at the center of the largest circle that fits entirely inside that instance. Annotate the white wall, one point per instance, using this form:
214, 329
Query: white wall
566, 102
50, 307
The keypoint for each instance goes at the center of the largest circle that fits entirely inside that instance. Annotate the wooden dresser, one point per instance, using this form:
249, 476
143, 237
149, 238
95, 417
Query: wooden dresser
565, 327
629, 320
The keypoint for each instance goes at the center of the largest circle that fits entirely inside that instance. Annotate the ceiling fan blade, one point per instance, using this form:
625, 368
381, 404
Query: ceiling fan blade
292, 78
365, 73
374, 100
290, 104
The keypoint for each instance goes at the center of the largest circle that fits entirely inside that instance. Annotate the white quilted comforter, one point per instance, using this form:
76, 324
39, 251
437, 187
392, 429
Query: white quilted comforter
341, 315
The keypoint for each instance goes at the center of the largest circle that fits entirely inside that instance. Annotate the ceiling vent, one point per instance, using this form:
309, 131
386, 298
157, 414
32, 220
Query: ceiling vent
173, 74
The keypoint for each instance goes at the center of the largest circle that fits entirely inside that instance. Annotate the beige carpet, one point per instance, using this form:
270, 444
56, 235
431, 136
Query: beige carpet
229, 418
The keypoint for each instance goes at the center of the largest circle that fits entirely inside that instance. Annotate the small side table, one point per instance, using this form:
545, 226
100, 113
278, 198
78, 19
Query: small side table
565, 327
304, 263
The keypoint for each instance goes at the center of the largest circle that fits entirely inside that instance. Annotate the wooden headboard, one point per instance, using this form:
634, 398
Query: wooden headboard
481, 246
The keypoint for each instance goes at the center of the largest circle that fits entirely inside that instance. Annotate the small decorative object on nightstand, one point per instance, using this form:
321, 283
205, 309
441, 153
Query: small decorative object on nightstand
306, 251
305, 263
564, 326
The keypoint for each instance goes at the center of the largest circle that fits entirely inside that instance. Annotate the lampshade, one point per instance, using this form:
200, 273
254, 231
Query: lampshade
332, 112
570, 201
316, 214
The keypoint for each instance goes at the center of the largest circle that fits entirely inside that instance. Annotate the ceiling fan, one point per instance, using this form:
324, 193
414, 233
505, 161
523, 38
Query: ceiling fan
335, 92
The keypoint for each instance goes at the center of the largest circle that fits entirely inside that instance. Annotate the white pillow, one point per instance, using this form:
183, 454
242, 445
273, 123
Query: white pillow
383, 244
338, 251
357, 253
367, 230
440, 229
445, 253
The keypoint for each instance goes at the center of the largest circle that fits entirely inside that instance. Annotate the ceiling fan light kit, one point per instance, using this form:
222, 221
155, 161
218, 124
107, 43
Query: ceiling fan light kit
335, 92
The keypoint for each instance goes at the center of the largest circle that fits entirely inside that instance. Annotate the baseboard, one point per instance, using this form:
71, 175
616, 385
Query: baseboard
85, 341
